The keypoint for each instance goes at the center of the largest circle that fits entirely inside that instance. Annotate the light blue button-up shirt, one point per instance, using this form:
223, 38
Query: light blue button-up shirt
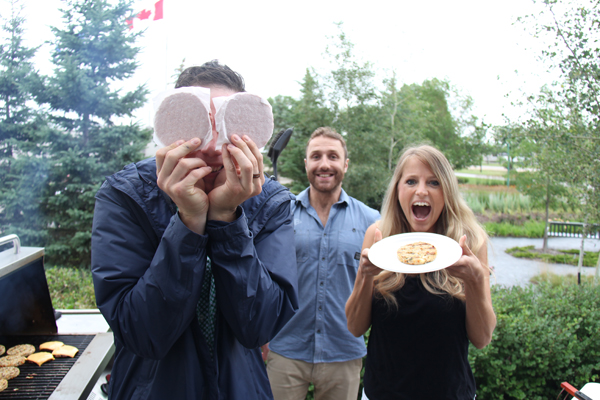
328, 258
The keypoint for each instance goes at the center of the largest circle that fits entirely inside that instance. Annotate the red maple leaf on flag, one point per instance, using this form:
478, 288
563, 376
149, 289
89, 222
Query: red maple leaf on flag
144, 14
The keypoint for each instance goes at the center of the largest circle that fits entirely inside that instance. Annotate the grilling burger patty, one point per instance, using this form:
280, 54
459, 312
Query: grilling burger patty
21, 350
12, 361
9, 372
40, 358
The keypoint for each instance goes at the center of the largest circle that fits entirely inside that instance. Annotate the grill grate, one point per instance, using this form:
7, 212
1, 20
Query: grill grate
38, 382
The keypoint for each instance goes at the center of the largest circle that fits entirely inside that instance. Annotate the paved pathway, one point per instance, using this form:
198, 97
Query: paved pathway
511, 271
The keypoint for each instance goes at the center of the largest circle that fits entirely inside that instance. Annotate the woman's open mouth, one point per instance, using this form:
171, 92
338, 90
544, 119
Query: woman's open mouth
421, 210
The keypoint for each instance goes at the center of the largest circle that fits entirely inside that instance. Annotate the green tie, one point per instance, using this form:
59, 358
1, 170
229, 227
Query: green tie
207, 306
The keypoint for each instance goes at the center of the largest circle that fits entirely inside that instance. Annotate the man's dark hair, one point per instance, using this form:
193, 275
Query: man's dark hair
211, 74
330, 133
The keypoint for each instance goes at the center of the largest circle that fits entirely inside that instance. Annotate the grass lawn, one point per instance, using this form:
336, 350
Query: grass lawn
70, 288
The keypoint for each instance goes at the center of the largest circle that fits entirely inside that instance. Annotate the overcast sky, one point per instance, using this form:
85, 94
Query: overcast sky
471, 43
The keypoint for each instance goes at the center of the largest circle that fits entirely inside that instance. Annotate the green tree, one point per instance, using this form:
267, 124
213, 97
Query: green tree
354, 101
392, 107
304, 115
508, 139
93, 53
23, 132
436, 124
376, 124
479, 141
569, 32
544, 179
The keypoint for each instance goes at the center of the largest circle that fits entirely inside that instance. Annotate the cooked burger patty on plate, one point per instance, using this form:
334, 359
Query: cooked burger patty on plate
417, 253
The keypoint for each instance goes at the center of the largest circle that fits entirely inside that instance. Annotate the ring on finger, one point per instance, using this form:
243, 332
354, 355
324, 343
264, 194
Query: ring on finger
255, 176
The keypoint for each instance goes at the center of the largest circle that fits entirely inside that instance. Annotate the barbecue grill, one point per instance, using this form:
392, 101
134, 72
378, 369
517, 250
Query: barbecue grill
27, 316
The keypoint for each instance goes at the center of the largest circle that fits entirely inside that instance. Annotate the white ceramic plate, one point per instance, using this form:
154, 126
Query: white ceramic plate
384, 253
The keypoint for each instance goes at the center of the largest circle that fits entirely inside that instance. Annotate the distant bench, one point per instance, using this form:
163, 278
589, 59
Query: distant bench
572, 229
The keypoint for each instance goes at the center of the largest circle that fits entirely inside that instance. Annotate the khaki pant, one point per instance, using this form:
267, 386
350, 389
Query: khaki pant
333, 381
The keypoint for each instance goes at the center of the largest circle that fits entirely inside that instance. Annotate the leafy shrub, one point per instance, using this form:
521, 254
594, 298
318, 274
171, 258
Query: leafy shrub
545, 335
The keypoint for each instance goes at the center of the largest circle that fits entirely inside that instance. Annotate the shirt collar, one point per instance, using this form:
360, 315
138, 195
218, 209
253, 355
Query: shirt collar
304, 199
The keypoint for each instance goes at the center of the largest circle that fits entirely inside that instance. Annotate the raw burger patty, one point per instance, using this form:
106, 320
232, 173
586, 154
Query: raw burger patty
246, 114
181, 116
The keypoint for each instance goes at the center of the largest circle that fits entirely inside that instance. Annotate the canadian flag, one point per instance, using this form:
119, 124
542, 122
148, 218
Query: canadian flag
147, 14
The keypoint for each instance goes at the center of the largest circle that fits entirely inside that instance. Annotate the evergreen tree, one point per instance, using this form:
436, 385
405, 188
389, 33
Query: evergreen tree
23, 133
93, 53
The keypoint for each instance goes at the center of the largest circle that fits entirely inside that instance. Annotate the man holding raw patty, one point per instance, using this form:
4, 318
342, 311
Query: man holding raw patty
191, 267
316, 346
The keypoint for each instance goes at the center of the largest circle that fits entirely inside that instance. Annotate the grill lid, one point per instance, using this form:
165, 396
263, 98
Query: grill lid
25, 304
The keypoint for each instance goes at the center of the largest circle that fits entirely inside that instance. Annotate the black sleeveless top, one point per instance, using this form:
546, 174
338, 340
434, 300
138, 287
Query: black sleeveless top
419, 351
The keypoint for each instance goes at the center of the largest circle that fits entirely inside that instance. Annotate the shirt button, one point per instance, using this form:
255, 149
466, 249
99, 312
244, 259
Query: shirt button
324, 234
320, 308
318, 331
321, 283
322, 258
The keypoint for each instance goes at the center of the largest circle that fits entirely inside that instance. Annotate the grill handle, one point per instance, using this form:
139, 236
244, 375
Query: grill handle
14, 239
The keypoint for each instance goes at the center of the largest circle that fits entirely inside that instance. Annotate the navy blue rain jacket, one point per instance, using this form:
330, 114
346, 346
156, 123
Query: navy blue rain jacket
148, 269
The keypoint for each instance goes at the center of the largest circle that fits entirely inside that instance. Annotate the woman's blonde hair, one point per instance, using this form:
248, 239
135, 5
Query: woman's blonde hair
456, 220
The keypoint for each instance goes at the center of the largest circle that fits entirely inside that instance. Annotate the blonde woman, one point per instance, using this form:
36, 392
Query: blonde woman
421, 324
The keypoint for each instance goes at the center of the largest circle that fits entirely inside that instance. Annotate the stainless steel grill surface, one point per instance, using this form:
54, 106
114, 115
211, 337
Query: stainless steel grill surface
39, 382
